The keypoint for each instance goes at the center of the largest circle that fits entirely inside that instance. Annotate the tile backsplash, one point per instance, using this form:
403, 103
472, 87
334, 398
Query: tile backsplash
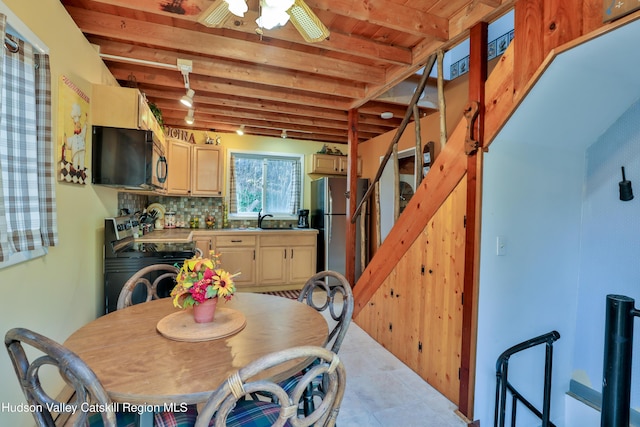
188, 207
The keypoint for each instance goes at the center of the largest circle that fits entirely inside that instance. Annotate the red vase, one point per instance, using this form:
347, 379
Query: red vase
205, 311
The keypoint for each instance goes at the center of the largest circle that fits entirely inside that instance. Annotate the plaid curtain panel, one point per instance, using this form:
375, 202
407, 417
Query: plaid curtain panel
27, 195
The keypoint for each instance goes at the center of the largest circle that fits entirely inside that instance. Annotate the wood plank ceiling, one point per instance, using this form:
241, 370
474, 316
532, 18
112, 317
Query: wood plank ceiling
276, 81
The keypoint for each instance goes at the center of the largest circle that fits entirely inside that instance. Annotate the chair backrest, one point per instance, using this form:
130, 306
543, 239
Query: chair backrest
329, 292
223, 401
70, 367
149, 276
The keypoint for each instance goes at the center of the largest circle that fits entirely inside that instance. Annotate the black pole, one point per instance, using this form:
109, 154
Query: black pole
618, 349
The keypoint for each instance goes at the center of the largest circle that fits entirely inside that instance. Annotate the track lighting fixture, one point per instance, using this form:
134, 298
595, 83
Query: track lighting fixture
187, 98
189, 118
240, 130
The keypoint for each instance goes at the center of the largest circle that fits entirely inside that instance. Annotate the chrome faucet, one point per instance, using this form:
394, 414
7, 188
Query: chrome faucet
261, 217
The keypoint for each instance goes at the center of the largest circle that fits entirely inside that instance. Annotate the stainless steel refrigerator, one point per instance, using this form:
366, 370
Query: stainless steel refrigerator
329, 215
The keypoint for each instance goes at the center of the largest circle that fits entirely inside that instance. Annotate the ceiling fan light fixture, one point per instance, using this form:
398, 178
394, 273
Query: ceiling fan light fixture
386, 115
189, 118
238, 7
240, 130
187, 99
215, 15
271, 17
307, 23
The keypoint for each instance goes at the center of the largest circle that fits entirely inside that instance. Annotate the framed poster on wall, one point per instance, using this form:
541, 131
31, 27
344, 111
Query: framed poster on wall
73, 125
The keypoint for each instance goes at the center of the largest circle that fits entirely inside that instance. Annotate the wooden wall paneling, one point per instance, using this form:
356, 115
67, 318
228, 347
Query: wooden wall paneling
562, 22
444, 308
415, 303
591, 15
529, 53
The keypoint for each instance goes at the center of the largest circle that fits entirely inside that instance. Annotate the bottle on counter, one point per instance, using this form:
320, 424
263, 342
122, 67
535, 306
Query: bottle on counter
170, 219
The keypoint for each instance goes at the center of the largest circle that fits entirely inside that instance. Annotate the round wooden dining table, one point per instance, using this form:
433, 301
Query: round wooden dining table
138, 365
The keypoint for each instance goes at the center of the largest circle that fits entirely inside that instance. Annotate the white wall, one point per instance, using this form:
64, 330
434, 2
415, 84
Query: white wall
541, 180
611, 246
532, 289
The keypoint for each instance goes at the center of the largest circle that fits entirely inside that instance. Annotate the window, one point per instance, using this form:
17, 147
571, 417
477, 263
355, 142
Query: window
268, 182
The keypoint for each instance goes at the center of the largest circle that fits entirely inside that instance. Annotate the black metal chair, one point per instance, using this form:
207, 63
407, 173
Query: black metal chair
87, 388
227, 406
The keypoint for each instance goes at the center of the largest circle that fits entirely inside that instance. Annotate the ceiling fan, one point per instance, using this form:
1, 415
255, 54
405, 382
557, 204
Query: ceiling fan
273, 13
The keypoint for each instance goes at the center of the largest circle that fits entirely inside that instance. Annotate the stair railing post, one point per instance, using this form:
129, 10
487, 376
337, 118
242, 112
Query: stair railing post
618, 351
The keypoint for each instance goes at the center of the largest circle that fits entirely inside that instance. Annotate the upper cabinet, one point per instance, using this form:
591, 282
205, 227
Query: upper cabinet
330, 164
206, 170
123, 107
194, 170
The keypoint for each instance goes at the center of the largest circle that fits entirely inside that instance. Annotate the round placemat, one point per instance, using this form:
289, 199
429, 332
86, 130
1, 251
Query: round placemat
180, 326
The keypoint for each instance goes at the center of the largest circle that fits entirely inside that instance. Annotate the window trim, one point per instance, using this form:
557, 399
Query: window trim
284, 155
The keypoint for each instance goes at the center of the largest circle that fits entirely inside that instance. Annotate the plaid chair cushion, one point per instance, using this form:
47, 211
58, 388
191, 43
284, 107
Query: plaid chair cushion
253, 413
123, 419
176, 419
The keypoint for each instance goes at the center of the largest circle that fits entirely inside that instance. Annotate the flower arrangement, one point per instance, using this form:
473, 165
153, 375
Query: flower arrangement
201, 279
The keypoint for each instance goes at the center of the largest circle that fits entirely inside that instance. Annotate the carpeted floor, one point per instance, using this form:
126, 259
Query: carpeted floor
287, 294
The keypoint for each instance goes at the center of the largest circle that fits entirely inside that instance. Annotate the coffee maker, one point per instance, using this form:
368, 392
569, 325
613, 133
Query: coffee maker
303, 218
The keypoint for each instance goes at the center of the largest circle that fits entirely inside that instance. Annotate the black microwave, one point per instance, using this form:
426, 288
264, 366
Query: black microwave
127, 158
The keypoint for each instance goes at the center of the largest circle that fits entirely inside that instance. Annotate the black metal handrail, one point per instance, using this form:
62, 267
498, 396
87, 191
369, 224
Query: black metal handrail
503, 386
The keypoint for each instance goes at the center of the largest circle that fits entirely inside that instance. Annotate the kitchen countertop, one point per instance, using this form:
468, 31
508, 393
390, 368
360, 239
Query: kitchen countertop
185, 235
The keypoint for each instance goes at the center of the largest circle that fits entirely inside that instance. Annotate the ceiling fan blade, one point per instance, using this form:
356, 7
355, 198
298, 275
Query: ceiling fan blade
307, 23
215, 15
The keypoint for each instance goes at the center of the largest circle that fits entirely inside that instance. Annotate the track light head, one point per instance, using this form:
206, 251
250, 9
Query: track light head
189, 118
187, 99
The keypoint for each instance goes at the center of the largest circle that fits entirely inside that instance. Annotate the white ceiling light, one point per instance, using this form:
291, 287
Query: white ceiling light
237, 7
187, 99
273, 13
240, 131
189, 118
386, 115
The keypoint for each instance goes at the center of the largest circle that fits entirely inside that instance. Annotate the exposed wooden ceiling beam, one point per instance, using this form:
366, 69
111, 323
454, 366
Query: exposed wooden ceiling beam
198, 42
220, 68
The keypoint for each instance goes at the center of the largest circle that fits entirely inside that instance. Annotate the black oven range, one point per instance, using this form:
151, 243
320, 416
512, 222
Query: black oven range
123, 257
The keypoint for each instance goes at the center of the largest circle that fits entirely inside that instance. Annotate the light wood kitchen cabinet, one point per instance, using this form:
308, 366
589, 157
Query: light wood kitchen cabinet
122, 107
204, 243
286, 259
329, 164
179, 161
206, 170
238, 254
194, 170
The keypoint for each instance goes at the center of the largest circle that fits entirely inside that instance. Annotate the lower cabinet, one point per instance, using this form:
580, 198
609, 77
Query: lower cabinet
238, 255
286, 260
266, 260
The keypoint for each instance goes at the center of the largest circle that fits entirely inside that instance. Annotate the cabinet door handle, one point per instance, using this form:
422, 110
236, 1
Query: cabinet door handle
285, 254
291, 253
236, 241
